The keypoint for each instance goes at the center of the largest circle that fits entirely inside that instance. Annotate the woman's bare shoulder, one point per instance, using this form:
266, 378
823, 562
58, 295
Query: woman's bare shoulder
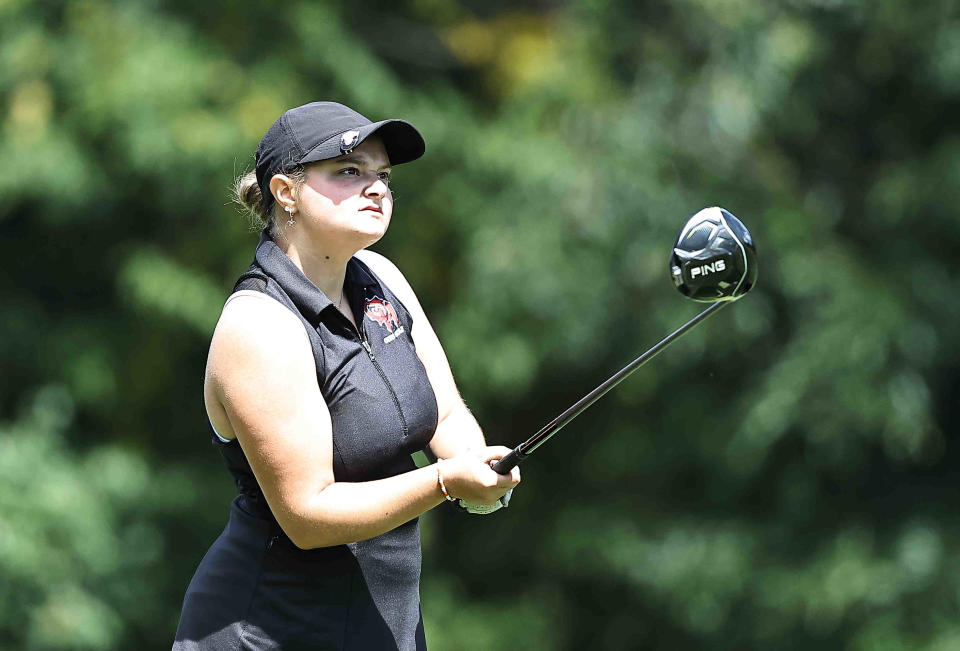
254, 324
254, 311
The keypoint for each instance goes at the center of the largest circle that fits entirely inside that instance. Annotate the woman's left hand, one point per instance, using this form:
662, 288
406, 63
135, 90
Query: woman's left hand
489, 456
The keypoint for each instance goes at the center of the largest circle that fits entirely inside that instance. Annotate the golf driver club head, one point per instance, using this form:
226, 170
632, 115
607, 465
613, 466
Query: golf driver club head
714, 258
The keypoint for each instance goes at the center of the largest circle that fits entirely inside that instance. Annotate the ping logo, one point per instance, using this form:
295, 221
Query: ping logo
706, 269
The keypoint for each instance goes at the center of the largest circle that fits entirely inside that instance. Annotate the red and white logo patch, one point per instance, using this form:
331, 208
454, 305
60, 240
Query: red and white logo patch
380, 311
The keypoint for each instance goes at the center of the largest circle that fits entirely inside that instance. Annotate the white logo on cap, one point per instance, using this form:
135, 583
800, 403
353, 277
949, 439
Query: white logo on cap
348, 140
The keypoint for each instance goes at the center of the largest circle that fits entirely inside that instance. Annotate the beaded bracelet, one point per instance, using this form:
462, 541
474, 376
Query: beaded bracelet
443, 487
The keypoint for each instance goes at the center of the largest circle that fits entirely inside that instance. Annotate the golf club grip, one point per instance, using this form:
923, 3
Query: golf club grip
507, 463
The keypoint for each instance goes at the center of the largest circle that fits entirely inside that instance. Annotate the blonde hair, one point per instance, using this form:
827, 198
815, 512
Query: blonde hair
263, 211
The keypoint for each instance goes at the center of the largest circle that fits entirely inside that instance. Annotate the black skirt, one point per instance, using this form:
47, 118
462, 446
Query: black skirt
255, 590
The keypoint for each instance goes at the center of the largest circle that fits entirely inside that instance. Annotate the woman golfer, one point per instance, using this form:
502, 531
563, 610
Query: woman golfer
324, 376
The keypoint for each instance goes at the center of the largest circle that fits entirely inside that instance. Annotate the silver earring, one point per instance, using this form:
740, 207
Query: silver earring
289, 210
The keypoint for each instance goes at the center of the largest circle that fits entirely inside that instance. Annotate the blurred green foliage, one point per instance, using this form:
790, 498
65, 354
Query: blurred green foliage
783, 478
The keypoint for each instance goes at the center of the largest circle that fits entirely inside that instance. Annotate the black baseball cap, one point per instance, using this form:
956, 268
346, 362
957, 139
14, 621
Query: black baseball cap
322, 130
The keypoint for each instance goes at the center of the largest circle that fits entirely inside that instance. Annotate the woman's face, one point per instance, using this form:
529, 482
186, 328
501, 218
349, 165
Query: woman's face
349, 196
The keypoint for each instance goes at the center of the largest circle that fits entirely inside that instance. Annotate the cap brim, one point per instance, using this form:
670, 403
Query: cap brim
400, 138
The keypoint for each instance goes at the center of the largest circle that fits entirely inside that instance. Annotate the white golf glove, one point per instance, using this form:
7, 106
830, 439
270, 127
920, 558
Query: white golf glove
485, 509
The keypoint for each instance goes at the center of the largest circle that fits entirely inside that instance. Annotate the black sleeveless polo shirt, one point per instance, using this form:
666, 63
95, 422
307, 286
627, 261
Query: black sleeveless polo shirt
364, 595
380, 400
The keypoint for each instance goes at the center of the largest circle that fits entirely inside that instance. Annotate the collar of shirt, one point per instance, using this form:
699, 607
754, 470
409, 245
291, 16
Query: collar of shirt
306, 296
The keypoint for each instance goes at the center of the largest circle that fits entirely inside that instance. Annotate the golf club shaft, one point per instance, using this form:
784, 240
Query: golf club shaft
526, 448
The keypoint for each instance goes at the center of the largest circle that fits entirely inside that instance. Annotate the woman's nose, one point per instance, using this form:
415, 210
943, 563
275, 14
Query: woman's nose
377, 188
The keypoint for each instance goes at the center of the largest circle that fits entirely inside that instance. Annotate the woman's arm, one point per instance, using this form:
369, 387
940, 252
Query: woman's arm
457, 429
261, 373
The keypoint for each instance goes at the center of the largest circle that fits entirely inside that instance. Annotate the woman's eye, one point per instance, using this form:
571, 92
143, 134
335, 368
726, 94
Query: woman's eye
384, 176
351, 171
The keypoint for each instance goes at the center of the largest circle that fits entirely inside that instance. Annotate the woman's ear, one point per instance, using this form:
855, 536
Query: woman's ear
281, 187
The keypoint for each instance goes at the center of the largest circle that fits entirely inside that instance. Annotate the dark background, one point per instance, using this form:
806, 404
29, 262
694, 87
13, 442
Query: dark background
784, 477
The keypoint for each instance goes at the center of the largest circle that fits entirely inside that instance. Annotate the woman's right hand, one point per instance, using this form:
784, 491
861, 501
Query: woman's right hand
469, 477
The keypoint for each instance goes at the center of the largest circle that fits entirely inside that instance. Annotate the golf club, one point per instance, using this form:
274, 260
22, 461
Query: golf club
713, 261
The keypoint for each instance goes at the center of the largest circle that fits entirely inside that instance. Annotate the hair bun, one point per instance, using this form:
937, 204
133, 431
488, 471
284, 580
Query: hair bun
246, 192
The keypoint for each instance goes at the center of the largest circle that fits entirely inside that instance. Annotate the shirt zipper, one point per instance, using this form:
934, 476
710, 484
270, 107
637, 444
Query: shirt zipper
373, 360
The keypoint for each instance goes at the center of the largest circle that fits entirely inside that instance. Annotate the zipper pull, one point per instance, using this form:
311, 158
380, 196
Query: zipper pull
367, 347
